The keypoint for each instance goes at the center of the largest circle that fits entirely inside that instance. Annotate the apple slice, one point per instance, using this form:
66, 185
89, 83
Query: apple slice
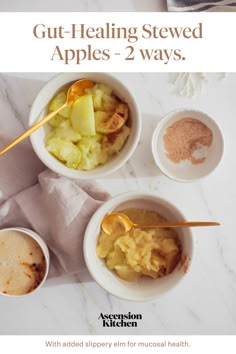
107, 123
82, 116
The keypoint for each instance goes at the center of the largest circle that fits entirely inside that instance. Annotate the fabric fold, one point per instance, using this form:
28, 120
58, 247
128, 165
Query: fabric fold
55, 207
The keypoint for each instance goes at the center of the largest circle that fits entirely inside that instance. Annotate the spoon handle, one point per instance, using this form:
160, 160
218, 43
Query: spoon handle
182, 224
32, 129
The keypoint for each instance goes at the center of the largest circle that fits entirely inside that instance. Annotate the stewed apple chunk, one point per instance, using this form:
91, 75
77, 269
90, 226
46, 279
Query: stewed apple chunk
90, 131
82, 116
109, 122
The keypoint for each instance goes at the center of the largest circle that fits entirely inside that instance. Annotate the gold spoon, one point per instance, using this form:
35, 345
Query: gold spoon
75, 90
120, 222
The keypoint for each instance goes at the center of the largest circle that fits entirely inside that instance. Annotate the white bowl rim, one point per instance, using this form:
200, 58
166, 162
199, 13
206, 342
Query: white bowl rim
103, 209
155, 137
77, 174
44, 249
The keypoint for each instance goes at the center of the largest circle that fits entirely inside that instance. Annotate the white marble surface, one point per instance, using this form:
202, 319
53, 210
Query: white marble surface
83, 5
205, 302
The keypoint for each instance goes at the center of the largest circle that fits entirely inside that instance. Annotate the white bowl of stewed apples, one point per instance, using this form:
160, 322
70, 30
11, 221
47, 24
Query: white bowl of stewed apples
84, 140
139, 263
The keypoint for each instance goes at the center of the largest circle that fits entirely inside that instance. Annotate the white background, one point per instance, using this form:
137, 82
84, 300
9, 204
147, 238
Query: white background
212, 298
119, 344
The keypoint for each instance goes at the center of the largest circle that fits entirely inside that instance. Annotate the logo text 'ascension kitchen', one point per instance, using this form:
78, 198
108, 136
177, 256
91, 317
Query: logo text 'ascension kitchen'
120, 320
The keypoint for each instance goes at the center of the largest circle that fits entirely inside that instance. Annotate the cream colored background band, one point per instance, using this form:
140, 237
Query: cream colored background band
213, 52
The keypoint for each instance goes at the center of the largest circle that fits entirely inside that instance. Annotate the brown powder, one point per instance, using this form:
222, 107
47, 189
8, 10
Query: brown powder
187, 139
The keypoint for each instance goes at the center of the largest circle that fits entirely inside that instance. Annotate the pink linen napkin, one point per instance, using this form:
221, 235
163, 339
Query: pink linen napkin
55, 207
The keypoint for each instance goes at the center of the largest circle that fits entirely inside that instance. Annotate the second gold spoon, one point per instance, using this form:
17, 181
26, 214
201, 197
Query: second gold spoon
75, 90
114, 222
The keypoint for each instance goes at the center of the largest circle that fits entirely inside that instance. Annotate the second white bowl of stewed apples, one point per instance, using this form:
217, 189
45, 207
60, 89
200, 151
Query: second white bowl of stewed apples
97, 151
141, 264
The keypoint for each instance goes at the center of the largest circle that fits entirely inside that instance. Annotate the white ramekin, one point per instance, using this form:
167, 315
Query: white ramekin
186, 171
44, 249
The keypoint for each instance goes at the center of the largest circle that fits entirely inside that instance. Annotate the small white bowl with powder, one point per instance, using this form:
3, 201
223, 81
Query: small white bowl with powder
187, 145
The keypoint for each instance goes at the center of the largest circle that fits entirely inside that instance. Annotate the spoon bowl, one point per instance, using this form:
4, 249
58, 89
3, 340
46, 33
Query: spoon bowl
77, 89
